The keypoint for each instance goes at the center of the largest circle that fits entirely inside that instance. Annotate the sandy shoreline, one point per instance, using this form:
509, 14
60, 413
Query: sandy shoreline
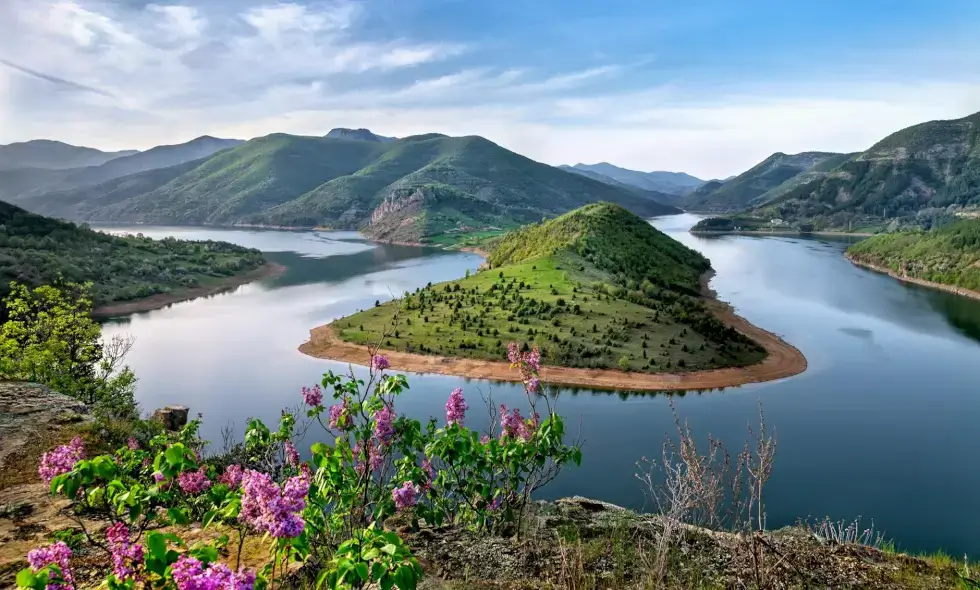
780, 233
269, 269
912, 280
783, 360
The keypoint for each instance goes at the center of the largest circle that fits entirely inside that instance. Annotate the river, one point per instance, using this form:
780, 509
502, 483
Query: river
882, 425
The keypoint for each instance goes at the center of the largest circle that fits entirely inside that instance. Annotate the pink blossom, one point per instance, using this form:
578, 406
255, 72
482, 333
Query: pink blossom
190, 574
232, 476
126, 556
368, 460
383, 427
456, 407
133, 444
292, 455
194, 482
379, 362
528, 363
513, 425
405, 496
340, 415
430, 471
266, 508
57, 554
312, 396
61, 460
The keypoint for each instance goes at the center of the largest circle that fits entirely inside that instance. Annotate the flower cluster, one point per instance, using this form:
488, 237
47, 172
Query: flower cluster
61, 460
266, 508
340, 415
126, 556
57, 554
380, 362
194, 482
368, 458
190, 574
405, 496
513, 425
132, 444
528, 363
313, 396
232, 476
383, 427
292, 455
456, 407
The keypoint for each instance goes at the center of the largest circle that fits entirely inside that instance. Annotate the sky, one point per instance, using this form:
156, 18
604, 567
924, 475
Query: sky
709, 87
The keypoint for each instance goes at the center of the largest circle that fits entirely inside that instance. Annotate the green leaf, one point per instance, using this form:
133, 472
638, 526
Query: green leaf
26, 578
389, 549
178, 516
362, 571
156, 545
175, 454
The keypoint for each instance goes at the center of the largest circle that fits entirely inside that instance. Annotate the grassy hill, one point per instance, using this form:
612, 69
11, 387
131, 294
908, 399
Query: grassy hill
915, 177
37, 250
429, 188
949, 255
737, 193
53, 155
597, 287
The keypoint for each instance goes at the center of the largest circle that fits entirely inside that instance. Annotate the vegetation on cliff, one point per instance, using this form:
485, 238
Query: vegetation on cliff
595, 288
37, 250
949, 255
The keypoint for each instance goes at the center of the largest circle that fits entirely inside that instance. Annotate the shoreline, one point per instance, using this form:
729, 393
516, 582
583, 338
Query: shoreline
782, 360
953, 289
757, 232
267, 270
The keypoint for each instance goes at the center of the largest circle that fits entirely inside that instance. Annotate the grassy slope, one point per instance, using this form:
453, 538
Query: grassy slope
411, 189
947, 256
36, 250
590, 287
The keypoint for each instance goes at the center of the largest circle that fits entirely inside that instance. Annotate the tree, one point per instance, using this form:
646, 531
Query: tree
51, 338
624, 363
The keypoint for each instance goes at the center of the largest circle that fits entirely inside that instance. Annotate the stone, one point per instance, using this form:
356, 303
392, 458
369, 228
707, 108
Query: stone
173, 418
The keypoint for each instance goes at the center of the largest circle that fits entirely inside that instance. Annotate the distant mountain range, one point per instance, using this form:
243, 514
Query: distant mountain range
669, 183
407, 190
53, 155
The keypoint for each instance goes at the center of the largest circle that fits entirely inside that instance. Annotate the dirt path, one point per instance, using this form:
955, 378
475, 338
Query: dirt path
912, 280
782, 360
269, 269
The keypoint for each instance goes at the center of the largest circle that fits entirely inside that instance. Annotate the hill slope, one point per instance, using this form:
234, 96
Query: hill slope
908, 178
53, 155
739, 192
409, 190
597, 287
671, 183
36, 250
362, 134
946, 256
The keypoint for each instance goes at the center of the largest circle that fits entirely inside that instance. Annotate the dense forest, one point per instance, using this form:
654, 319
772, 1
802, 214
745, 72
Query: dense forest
39, 250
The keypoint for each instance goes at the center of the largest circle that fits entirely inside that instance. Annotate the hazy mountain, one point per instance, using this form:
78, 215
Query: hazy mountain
53, 155
362, 134
650, 194
406, 190
672, 183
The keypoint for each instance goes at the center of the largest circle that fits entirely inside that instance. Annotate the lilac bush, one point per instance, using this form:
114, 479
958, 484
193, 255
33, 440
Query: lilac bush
61, 460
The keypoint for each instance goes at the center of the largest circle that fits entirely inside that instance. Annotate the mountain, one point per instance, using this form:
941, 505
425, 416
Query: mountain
947, 256
915, 177
361, 134
38, 250
598, 287
53, 155
742, 190
650, 194
406, 190
671, 183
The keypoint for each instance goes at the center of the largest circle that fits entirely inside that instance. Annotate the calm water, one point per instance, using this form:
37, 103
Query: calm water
882, 425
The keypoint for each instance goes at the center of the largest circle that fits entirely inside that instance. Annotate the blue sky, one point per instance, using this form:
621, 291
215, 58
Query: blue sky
709, 87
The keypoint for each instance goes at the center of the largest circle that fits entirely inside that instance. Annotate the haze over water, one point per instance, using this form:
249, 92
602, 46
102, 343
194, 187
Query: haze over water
882, 424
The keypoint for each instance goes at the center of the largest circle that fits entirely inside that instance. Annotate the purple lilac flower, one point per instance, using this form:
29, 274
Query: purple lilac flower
495, 504
266, 508
532, 384
513, 425
528, 363
313, 396
292, 455
57, 554
383, 427
379, 362
194, 482
133, 444
61, 460
339, 415
456, 407
126, 556
405, 496
190, 574
369, 459
430, 471
232, 476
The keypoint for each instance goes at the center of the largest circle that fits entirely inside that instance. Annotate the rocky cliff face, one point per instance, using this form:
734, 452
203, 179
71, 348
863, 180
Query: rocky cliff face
29, 413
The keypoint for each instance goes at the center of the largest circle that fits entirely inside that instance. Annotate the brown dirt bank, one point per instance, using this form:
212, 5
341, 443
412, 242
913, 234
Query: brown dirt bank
782, 360
912, 280
780, 233
269, 269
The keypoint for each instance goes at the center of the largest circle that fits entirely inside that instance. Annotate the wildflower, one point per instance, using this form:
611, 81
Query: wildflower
383, 428
368, 459
456, 407
312, 396
268, 509
532, 384
405, 496
513, 425
528, 363
484, 439
232, 476
430, 471
339, 415
61, 460
194, 482
126, 556
292, 455
133, 444
190, 574
158, 477
379, 362
57, 554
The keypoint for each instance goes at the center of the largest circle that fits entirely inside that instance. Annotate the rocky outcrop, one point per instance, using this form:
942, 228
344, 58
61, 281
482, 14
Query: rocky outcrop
28, 414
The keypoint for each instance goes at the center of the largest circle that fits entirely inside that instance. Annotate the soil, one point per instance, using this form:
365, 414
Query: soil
782, 360
269, 269
912, 280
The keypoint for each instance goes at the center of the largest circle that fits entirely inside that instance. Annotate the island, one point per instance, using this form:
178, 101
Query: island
610, 301
127, 273
946, 258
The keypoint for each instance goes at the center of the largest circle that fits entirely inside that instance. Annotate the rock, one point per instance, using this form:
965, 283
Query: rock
29, 413
173, 417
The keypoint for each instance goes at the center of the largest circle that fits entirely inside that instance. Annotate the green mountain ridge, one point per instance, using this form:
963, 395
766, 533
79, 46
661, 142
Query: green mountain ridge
407, 190
47, 154
662, 197
670, 183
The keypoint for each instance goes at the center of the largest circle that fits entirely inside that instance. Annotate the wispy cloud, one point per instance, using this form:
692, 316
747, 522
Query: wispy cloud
54, 79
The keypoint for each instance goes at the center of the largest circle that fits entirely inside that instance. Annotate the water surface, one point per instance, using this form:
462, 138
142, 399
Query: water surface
882, 425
